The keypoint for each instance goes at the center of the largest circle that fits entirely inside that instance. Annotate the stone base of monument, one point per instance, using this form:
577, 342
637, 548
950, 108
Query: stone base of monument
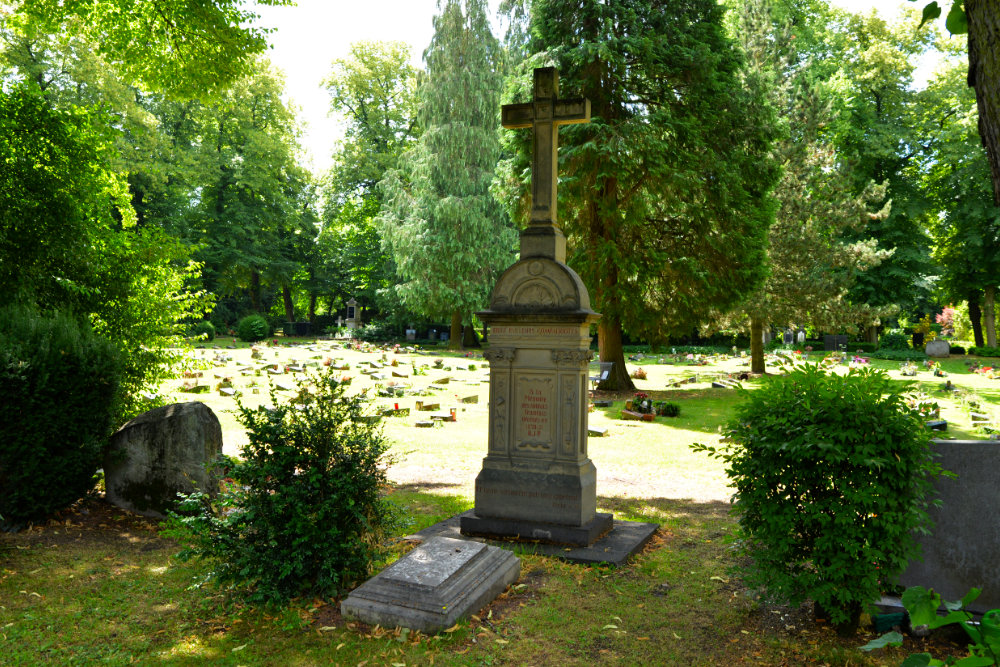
625, 539
550, 533
433, 586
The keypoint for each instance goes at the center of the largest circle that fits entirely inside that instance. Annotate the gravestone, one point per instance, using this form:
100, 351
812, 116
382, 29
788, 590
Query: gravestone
433, 586
787, 337
962, 549
834, 343
160, 453
537, 481
800, 337
938, 348
353, 318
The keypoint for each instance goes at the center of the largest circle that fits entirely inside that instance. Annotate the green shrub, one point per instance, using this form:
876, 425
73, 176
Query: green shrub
894, 340
864, 346
956, 349
899, 355
252, 328
306, 513
831, 475
204, 330
58, 388
376, 332
985, 351
667, 409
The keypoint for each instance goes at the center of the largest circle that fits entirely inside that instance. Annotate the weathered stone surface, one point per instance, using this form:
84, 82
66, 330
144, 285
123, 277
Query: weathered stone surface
160, 453
937, 348
434, 585
961, 551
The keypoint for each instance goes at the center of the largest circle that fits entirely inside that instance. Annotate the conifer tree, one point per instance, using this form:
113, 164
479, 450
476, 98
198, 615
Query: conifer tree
663, 196
449, 237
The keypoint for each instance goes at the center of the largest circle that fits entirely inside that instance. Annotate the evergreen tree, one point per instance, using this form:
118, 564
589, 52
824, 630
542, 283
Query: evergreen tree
664, 194
447, 234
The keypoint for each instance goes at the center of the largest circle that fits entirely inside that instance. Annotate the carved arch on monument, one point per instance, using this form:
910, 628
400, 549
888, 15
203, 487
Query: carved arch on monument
539, 284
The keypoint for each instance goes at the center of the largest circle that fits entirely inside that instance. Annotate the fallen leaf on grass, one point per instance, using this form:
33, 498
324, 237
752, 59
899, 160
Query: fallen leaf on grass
454, 628
609, 626
239, 648
327, 628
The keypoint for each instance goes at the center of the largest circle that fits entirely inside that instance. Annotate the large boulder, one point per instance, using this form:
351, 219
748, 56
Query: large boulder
937, 348
161, 453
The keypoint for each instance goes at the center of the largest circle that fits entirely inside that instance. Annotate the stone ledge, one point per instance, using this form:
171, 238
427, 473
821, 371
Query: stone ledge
625, 540
550, 533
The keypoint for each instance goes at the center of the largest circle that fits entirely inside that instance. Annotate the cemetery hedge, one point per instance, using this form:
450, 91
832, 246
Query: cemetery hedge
58, 388
303, 512
832, 474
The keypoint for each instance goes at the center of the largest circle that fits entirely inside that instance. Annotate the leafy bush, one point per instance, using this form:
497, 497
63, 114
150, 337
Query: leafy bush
203, 329
831, 475
667, 409
252, 328
306, 512
376, 332
956, 349
985, 351
894, 340
899, 355
58, 387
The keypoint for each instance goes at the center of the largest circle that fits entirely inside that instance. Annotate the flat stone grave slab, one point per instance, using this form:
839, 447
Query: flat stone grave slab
434, 585
625, 539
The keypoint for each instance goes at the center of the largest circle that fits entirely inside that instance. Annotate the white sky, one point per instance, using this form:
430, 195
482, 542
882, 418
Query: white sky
311, 35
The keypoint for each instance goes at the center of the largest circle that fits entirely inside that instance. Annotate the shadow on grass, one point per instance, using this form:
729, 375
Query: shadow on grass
703, 410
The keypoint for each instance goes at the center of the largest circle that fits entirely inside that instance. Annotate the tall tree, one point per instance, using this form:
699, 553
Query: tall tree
664, 198
873, 131
811, 265
375, 89
449, 237
964, 221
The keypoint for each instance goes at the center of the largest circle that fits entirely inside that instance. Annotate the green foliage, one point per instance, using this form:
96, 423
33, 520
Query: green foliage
176, 47
864, 346
985, 351
376, 332
203, 329
894, 340
956, 349
58, 384
667, 409
305, 513
831, 476
922, 605
253, 328
438, 209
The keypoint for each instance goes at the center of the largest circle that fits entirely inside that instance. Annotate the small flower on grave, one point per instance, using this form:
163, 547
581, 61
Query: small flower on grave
639, 374
809, 348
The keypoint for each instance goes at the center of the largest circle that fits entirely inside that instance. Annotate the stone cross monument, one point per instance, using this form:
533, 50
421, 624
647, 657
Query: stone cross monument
537, 482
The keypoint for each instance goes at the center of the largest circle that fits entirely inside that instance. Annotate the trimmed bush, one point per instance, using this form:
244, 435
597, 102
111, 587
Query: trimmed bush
667, 409
306, 512
252, 328
832, 474
58, 388
985, 351
377, 332
894, 340
864, 346
204, 330
956, 349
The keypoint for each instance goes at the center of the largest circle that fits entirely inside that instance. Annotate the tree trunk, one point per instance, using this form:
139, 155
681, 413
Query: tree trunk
756, 345
455, 337
255, 290
976, 316
286, 298
469, 338
984, 76
871, 333
990, 315
312, 306
609, 343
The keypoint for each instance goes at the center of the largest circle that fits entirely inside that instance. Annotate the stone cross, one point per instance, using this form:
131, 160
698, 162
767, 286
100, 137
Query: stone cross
544, 115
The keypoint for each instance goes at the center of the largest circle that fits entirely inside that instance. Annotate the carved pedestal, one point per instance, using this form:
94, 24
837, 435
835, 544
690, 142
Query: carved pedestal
537, 482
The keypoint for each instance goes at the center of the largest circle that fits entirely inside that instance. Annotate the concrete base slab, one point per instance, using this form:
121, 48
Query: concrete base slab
434, 585
578, 536
625, 539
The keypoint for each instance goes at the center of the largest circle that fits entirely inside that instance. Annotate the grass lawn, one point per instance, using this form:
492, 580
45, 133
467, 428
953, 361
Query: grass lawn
98, 585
